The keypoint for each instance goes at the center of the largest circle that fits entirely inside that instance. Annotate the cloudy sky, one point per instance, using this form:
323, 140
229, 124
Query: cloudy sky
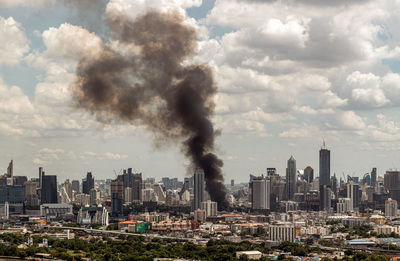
289, 73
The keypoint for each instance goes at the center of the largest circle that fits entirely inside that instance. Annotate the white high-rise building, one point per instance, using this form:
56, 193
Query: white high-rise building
210, 207
391, 208
344, 205
260, 196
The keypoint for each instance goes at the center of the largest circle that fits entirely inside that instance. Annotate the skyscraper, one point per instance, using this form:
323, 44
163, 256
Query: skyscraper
260, 193
117, 192
373, 177
49, 189
199, 192
291, 178
392, 183
88, 183
324, 166
324, 177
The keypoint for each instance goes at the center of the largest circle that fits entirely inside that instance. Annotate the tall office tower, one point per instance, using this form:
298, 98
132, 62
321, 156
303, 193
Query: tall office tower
391, 208
232, 182
68, 188
354, 193
309, 174
117, 192
291, 178
76, 186
324, 172
392, 183
210, 207
324, 166
88, 183
373, 177
261, 193
325, 198
199, 193
49, 189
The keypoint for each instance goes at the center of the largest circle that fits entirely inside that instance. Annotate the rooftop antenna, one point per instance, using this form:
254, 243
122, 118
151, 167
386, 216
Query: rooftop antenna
323, 143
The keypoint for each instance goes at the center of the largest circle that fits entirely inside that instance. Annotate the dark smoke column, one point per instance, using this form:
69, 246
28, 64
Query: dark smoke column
145, 81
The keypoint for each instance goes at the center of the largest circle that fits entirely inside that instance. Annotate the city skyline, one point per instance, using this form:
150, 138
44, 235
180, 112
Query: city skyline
270, 103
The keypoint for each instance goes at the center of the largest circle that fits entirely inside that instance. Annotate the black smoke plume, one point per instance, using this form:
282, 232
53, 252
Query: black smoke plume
146, 81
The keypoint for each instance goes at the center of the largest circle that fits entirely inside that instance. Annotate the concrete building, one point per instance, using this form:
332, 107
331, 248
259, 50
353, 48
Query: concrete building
199, 193
87, 183
128, 195
325, 198
55, 209
210, 207
260, 193
281, 233
391, 208
344, 205
4, 211
354, 193
291, 178
93, 215
200, 215
82, 199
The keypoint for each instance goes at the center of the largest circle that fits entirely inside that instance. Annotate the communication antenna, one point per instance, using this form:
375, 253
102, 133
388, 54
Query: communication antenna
323, 143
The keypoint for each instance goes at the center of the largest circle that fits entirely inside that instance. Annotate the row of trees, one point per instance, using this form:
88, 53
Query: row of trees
140, 248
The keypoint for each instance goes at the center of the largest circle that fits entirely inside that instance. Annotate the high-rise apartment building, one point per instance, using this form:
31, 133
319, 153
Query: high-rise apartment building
199, 193
210, 207
291, 178
260, 193
391, 208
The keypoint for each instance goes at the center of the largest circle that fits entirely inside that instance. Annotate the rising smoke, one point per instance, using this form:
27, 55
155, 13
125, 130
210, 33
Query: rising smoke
146, 81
